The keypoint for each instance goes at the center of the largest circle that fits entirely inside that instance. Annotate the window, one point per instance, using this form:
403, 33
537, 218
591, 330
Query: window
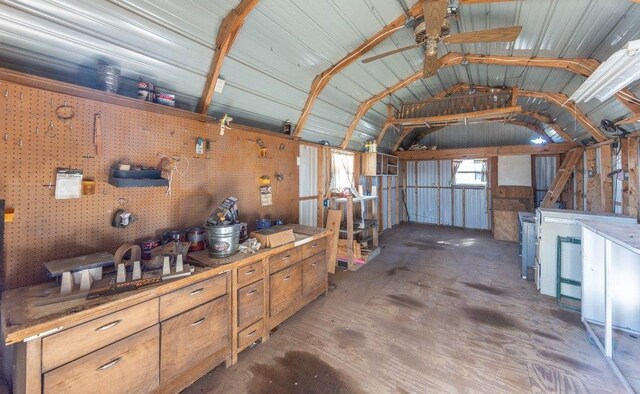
341, 169
470, 172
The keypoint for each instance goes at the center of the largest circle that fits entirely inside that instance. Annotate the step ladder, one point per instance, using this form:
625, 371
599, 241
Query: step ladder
562, 177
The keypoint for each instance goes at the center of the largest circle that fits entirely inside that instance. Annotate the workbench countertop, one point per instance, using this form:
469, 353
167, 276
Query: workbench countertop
23, 317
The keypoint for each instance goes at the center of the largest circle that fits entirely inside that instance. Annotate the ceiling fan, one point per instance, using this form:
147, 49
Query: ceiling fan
435, 28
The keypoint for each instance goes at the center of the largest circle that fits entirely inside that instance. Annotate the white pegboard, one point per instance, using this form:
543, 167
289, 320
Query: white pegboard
37, 142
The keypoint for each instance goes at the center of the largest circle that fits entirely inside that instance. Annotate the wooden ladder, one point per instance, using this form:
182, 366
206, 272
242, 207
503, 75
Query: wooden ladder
563, 175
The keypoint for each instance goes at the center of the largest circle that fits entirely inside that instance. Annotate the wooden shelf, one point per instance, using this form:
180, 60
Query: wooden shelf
379, 164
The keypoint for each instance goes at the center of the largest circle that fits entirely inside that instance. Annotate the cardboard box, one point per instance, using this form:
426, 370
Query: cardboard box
274, 236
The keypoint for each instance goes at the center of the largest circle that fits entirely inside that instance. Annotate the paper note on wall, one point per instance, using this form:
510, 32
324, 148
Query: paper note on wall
68, 183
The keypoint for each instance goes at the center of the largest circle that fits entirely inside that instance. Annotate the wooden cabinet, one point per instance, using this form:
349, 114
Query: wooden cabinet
68, 345
186, 298
193, 338
314, 272
162, 338
285, 287
126, 366
376, 164
250, 304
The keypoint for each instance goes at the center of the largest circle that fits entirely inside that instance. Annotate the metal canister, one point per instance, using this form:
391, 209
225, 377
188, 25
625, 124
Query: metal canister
173, 236
197, 238
147, 246
223, 241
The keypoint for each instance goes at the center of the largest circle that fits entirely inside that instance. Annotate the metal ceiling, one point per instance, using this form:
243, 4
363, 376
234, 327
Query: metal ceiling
284, 44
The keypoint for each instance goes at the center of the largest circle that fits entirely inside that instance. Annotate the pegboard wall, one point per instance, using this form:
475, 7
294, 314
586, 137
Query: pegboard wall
35, 142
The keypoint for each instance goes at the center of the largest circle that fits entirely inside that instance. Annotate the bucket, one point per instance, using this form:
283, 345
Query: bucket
222, 241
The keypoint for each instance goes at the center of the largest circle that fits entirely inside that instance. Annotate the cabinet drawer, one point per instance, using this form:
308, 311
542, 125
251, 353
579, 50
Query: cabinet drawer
193, 295
250, 304
314, 247
250, 273
284, 259
193, 336
127, 366
285, 288
314, 272
67, 345
250, 334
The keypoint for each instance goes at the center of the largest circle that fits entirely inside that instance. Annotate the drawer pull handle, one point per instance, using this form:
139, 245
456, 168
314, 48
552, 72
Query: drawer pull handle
251, 333
198, 322
287, 277
250, 272
109, 364
314, 245
254, 291
286, 257
109, 325
196, 292
315, 263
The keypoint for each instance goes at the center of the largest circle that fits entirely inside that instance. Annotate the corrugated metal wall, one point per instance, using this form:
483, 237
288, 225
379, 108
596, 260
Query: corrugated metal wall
308, 182
546, 169
460, 206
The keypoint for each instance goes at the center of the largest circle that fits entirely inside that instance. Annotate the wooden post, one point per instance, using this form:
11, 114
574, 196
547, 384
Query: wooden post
322, 192
593, 187
493, 182
579, 177
350, 230
630, 183
438, 191
27, 376
624, 159
606, 184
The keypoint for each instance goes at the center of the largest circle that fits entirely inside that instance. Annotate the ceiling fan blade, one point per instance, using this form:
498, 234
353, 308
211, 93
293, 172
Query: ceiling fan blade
501, 34
380, 56
434, 13
430, 67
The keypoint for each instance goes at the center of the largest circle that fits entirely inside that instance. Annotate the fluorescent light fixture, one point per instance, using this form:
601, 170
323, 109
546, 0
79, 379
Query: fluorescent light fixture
620, 70
539, 141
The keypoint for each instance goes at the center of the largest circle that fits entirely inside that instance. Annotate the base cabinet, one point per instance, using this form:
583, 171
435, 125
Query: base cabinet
127, 366
192, 338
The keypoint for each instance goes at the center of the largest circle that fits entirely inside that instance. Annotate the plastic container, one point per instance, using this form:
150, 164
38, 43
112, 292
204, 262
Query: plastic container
222, 241
263, 223
108, 78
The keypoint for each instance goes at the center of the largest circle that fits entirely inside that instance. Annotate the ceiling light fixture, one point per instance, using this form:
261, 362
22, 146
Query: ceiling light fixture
539, 141
620, 70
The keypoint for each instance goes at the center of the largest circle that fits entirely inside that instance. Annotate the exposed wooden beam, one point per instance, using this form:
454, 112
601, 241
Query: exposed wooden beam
227, 34
321, 80
630, 120
564, 101
477, 153
405, 132
578, 66
458, 117
561, 178
548, 120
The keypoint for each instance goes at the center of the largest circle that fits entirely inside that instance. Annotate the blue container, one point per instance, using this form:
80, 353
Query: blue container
263, 223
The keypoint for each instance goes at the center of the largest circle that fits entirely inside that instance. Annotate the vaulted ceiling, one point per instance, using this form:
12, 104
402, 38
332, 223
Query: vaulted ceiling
284, 44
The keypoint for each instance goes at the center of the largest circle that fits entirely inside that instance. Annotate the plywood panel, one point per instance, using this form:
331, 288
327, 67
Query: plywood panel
37, 142
505, 226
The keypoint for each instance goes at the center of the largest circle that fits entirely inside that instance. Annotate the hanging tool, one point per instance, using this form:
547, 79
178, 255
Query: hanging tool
97, 133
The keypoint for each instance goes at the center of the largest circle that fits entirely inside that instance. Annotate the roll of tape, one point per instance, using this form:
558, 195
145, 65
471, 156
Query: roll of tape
119, 255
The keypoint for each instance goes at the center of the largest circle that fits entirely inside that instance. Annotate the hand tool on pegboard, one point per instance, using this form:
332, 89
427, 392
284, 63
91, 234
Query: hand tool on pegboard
97, 133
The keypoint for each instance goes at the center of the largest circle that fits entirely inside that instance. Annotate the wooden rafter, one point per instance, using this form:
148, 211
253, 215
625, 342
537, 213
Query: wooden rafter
321, 80
486, 114
578, 66
478, 153
562, 177
227, 34
632, 119
405, 132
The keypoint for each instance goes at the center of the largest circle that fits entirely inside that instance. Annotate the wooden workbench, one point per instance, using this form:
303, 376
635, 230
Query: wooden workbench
26, 322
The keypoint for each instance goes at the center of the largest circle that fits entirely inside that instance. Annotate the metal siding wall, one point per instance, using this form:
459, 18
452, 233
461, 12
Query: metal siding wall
545, 172
457, 207
308, 212
308, 171
476, 209
445, 207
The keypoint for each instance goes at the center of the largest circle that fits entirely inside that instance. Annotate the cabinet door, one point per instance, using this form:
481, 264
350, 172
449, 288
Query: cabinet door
250, 304
194, 337
285, 288
127, 366
314, 272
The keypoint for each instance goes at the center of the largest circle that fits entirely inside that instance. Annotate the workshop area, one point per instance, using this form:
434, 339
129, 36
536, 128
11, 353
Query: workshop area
320, 196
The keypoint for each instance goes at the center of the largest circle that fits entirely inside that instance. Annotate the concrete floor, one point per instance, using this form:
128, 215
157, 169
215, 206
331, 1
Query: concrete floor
440, 310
